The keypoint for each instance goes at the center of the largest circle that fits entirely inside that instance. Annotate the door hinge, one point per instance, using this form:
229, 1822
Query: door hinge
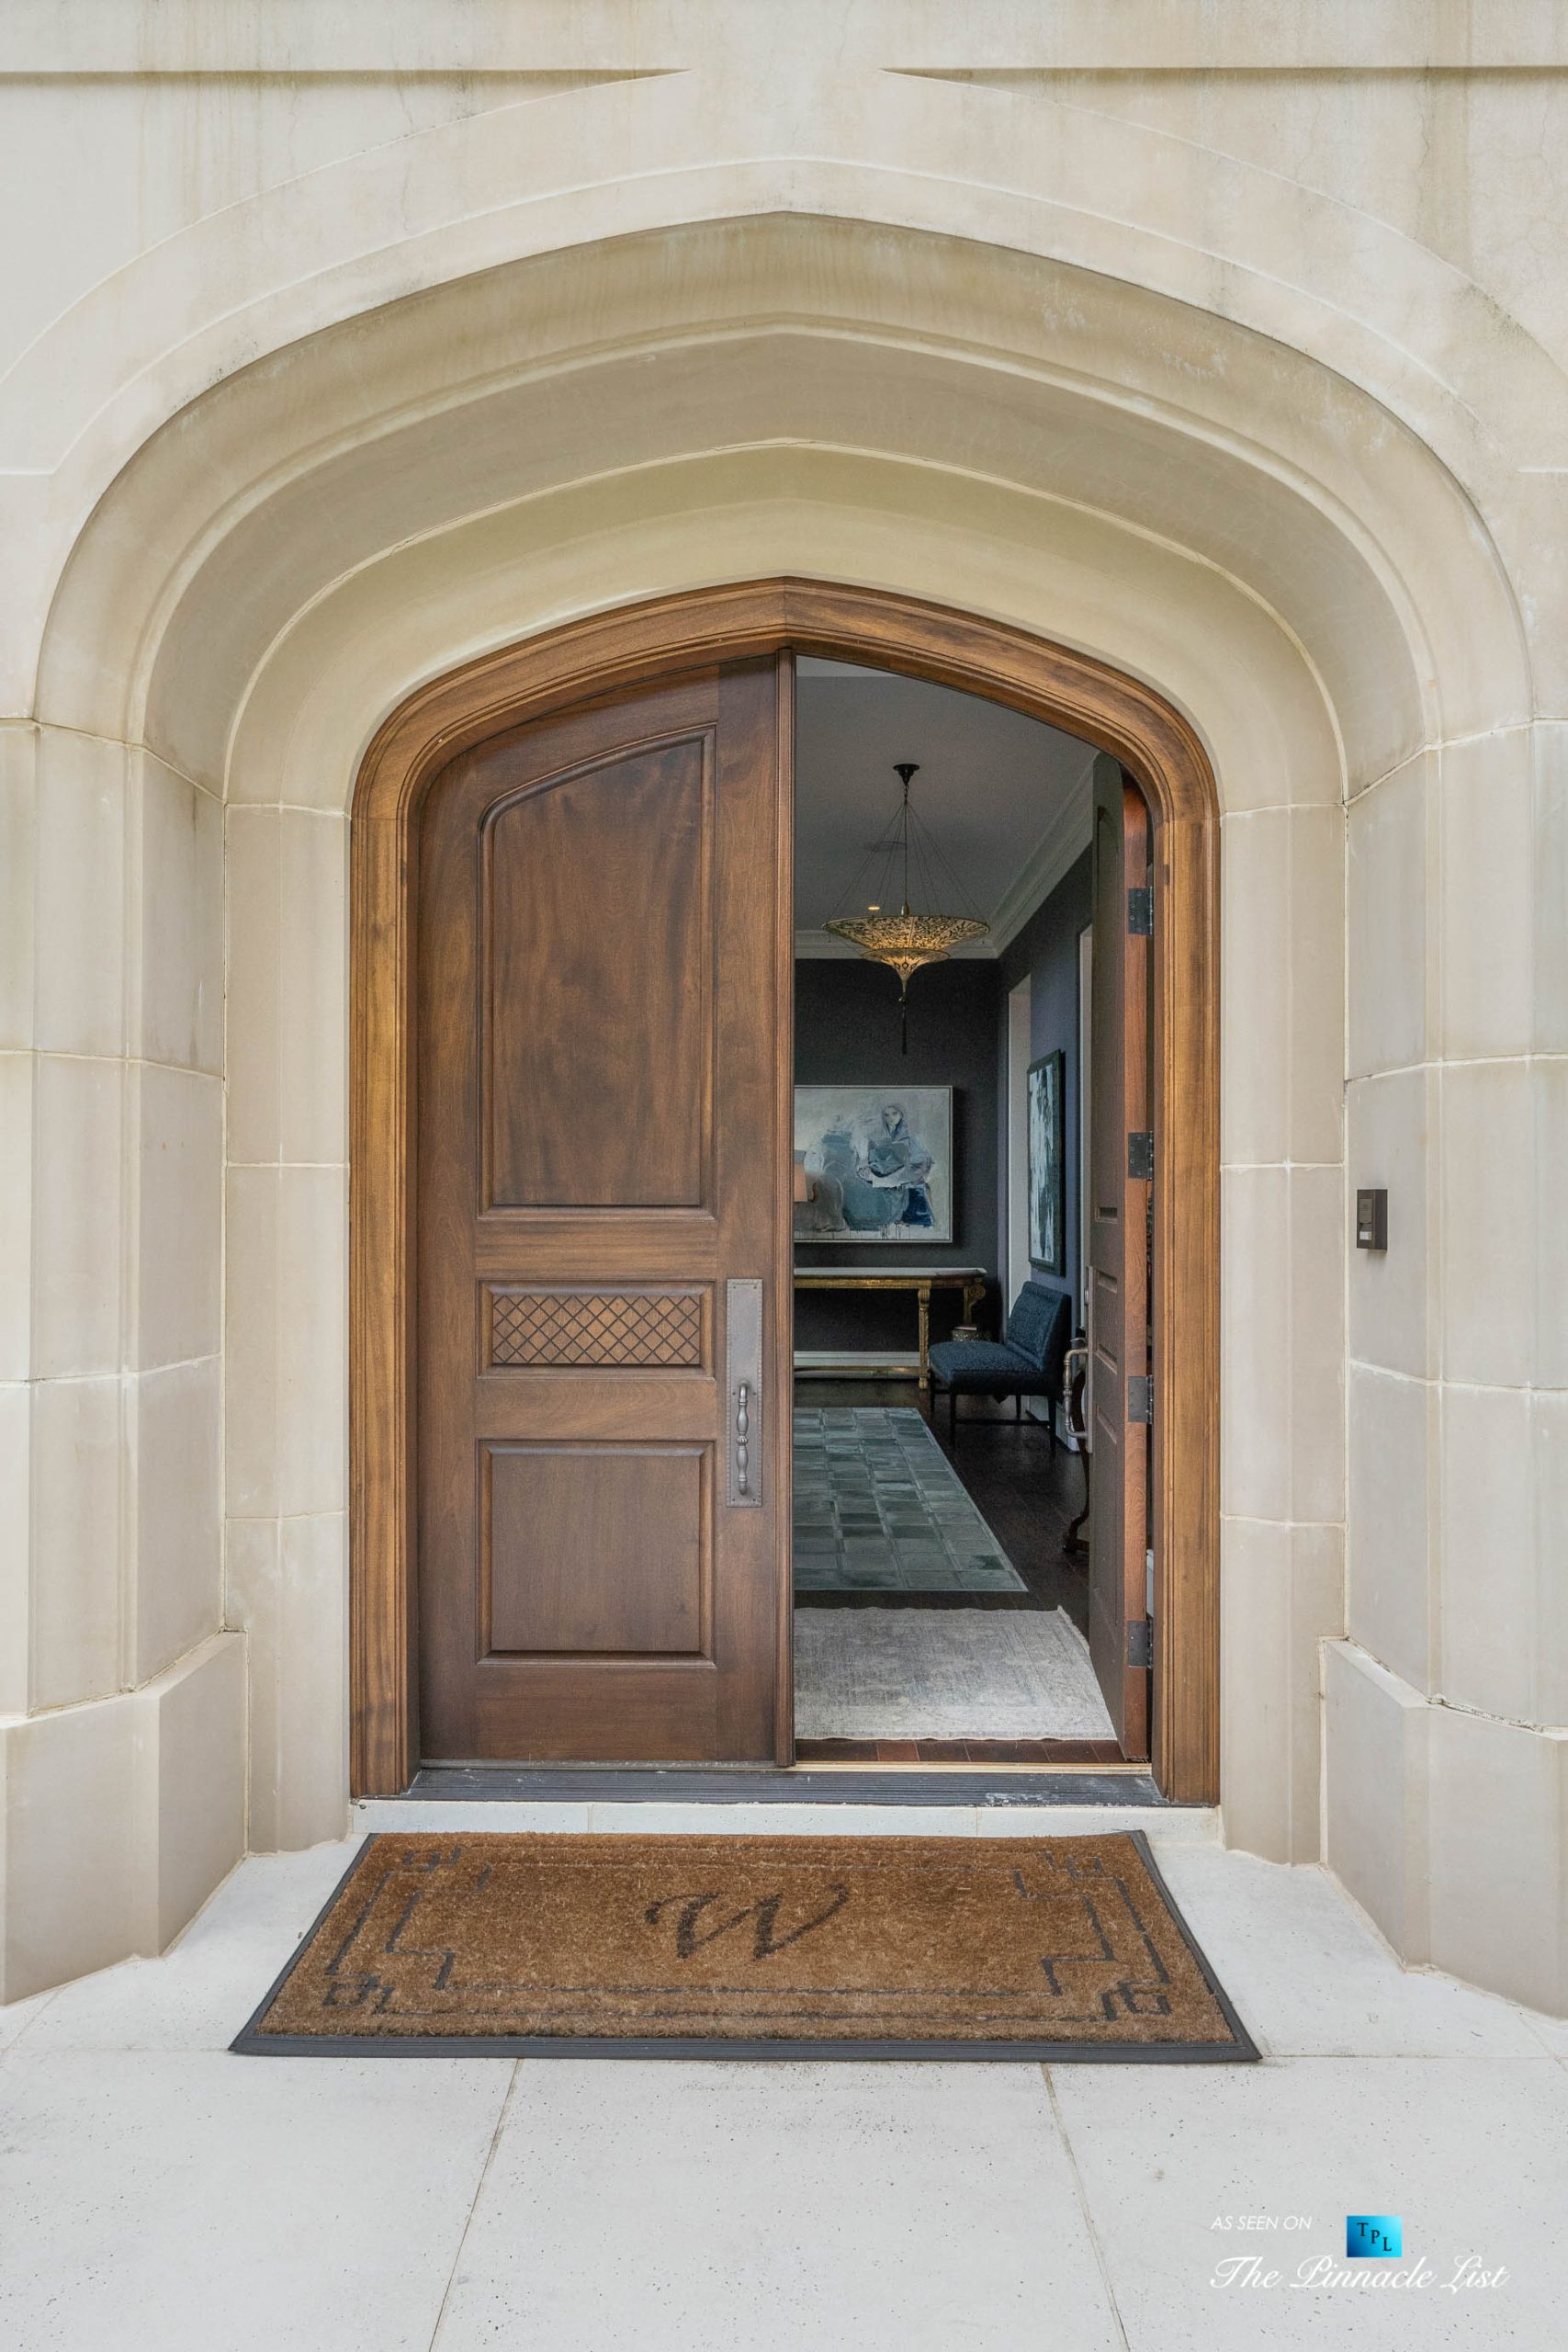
1141, 914
1140, 1641
1140, 1153
1141, 1397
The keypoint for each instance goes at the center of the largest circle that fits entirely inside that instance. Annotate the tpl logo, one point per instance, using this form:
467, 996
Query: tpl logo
1379, 2235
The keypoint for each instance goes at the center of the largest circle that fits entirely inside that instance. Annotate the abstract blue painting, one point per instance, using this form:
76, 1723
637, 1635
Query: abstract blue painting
1047, 1165
878, 1162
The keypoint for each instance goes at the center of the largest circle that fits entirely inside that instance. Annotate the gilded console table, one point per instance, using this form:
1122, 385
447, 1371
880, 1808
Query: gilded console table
921, 1280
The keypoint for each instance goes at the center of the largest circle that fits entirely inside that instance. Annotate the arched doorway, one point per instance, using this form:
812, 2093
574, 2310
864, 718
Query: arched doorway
635, 648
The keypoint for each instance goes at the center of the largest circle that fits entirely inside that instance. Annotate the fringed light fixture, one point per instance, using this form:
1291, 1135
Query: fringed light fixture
905, 939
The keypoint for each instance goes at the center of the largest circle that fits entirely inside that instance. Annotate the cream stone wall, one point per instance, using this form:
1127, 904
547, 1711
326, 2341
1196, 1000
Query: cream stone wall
348, 342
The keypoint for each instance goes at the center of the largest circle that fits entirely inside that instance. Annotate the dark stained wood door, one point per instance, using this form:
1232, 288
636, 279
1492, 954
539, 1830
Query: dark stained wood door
1119, 1627
603, 1221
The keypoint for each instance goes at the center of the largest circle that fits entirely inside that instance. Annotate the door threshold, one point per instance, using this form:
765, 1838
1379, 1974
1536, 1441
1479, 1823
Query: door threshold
665, 1784
991, 1754
992, 1767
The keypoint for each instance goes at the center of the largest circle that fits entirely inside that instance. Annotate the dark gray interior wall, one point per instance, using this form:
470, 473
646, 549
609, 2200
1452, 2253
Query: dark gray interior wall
1047, 949
846, 1034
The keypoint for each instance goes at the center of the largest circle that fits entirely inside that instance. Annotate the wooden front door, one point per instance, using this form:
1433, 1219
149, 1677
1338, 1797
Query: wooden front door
1120, 1152
601, 1388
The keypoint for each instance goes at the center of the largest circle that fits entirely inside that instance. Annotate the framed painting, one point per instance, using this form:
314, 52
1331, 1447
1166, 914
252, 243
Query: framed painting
877, 1162
1047, 1165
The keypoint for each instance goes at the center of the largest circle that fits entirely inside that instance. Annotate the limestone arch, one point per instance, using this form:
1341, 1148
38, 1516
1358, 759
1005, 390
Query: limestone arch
472, 198
1367, 595
301, 469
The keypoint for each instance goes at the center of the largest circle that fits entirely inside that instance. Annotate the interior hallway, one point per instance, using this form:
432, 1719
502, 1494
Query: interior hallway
912, 1647
161, 2193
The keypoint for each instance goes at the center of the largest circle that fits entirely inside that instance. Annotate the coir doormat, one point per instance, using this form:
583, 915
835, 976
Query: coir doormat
954, 1948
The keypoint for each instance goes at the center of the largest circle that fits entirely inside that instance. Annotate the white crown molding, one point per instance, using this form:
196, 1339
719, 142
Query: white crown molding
1061, 845
821, 947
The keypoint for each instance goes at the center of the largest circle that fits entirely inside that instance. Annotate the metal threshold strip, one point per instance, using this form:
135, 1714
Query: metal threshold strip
1002, 1785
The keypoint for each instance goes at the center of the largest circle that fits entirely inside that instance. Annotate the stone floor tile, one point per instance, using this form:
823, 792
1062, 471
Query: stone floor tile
1467, 2151
790, 1820
157, 2193
1552, 2031
163, 2202
1162, 1825
201, 1992
15, 2017
515, 1813
675, 2208
1310, 1976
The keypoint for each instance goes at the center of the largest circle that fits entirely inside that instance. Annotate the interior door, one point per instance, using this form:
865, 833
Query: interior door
1121, 1390
603, 1386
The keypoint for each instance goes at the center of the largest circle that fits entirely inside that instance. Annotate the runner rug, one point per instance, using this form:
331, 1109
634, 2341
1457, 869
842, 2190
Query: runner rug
879, 1508
1023, 1948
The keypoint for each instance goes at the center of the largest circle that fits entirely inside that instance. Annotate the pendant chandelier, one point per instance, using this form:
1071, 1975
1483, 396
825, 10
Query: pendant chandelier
906, 940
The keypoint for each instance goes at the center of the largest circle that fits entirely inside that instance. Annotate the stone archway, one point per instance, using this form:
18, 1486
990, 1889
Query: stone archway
279, 568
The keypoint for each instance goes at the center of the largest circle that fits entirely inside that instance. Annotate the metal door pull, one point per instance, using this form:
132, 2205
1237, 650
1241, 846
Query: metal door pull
743, 1384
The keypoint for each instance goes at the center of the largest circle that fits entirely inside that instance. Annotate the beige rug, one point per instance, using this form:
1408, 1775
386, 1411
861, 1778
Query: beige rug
944, 1674
814, 1947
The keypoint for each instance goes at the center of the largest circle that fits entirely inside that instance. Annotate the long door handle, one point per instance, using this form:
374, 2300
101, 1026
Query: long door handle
743, 1384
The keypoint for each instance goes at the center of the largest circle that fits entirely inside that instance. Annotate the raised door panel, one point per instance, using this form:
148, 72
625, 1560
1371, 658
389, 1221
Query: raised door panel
596, 980
596, 1548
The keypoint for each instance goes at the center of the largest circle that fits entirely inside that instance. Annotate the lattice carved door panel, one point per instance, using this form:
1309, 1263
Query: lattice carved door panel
626, 1330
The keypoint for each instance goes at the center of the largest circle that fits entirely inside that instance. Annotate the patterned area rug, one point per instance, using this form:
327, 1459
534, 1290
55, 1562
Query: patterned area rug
944, 1674
879, 1507
718, 1946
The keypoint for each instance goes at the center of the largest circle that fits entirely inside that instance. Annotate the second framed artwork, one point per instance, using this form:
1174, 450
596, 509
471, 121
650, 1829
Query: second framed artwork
878, 1164
1047, 1164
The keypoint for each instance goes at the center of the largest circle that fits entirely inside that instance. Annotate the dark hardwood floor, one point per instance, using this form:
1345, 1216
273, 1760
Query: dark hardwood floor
1027, 1494
1087, 1752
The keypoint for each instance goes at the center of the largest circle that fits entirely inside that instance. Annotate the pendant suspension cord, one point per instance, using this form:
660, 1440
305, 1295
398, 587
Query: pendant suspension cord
882, 854
907, 941
933, 871
905, 769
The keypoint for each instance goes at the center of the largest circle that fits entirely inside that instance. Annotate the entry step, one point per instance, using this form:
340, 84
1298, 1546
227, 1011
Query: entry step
686, 1784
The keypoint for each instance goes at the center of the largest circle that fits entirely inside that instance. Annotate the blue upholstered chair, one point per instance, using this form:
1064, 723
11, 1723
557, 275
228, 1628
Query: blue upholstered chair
1028, 1362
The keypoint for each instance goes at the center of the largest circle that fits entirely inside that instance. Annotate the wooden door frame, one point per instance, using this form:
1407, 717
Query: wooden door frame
614, 652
